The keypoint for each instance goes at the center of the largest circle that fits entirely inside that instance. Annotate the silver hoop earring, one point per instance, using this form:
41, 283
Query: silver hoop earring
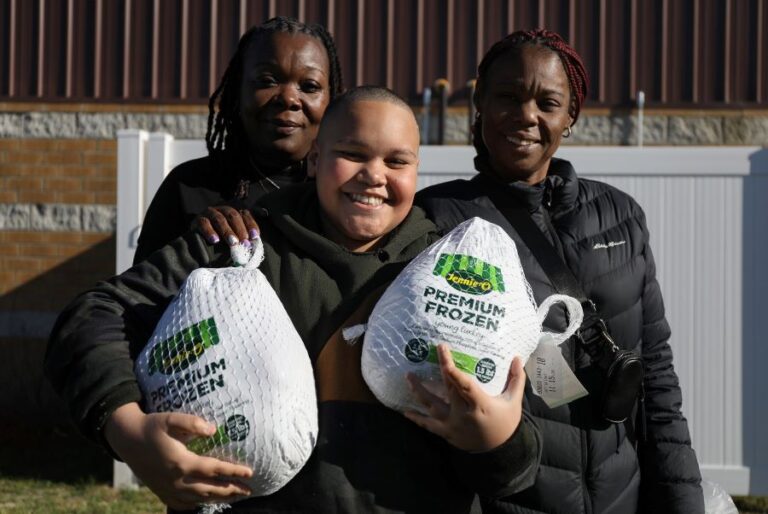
567, 132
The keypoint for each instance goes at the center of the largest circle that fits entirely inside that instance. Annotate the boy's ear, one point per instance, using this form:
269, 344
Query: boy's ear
312, 157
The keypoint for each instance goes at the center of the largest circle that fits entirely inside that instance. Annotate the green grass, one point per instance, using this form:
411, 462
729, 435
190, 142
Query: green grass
751, 504
29, 496
55, 471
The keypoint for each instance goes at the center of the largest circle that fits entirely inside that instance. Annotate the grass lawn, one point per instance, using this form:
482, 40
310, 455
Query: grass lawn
58, 472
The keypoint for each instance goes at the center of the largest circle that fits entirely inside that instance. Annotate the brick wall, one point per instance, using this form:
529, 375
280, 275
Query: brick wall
51, 248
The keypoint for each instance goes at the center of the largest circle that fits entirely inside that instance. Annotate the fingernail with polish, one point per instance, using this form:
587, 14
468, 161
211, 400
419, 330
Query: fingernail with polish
253, 233
213, 239
246, 243
232, 240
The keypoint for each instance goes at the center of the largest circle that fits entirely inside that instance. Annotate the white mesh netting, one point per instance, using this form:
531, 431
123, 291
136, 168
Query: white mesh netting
467, 290
226, 350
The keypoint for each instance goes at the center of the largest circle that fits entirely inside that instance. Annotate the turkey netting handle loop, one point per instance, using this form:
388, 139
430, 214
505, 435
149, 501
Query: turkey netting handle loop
248, 257
575, 315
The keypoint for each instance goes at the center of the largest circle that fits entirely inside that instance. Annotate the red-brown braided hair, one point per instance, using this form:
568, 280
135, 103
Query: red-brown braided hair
578, 81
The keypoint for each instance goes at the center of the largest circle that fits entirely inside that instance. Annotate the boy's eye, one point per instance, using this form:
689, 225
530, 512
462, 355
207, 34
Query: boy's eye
397, 163
351, 155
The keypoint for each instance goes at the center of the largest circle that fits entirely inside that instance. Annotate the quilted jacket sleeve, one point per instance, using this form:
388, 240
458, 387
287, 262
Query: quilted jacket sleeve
91, 350
671, 481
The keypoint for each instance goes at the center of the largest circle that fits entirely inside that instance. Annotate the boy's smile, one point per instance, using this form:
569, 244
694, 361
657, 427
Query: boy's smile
365, 162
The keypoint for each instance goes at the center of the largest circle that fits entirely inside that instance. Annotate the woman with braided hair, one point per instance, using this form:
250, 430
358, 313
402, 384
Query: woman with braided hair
262, 120
530, 88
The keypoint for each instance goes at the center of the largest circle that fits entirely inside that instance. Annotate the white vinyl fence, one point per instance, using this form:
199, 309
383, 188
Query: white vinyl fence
707, 210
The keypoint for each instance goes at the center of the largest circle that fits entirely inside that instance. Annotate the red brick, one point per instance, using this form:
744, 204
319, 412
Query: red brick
75, 197
108, 144
38, 144
63, 184
23, 236
106, 198
36, 197
77, 144
103, 185
64, 237
9, 250
9, 197
25, 157
9, 144
39, 250
86, 171
24, 183
92, 238
42, 171
20, 264
63, 158
11, 170
100, 159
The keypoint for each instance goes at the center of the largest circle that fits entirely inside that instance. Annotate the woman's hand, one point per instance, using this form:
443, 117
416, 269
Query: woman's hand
224, 223
470, 420
153, 445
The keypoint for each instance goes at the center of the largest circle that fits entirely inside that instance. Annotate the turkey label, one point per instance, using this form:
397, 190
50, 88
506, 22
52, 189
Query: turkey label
467, 290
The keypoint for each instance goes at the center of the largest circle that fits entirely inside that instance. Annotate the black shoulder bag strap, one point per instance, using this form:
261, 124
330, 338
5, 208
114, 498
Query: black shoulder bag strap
622, 370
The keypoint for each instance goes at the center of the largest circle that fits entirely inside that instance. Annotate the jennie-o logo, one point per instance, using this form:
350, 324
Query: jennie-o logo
469, 274
184, 348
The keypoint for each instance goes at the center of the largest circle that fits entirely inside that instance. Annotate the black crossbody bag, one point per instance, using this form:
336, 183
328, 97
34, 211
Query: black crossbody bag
622, 370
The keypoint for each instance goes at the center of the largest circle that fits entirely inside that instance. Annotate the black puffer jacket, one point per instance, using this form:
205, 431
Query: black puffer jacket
601, 233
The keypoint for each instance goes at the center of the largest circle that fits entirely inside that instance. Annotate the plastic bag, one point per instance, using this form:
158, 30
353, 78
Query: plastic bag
226, 350
716, 499
467, 290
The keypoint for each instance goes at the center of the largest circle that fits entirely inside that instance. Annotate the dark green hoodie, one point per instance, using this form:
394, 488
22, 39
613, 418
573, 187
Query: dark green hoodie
368, 457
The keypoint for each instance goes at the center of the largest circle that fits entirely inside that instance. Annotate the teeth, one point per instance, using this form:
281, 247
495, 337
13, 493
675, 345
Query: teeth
368, 200
519, 141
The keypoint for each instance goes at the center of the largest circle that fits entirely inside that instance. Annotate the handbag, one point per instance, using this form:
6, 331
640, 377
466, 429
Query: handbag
621, 370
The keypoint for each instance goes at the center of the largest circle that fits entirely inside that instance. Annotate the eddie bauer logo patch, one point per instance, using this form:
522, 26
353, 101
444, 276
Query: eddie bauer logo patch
184, 348
469, 274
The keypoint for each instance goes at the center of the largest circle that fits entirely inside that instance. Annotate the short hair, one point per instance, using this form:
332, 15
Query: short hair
361, 94
225, 130
578, 81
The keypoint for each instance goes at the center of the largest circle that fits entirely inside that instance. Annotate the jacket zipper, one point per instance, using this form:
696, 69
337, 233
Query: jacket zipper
582, 433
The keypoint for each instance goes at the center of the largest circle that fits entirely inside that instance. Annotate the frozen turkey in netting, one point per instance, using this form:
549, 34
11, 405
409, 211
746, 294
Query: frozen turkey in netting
467, 290
226, 350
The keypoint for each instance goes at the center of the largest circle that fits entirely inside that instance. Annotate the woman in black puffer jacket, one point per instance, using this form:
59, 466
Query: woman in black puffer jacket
529, 92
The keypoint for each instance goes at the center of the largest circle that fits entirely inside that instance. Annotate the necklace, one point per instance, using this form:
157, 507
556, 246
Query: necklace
262, 175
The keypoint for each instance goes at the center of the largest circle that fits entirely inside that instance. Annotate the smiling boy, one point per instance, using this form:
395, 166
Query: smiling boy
330, 248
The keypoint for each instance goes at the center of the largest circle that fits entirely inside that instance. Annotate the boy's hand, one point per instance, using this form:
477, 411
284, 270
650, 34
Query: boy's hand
470, 420
153, 445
